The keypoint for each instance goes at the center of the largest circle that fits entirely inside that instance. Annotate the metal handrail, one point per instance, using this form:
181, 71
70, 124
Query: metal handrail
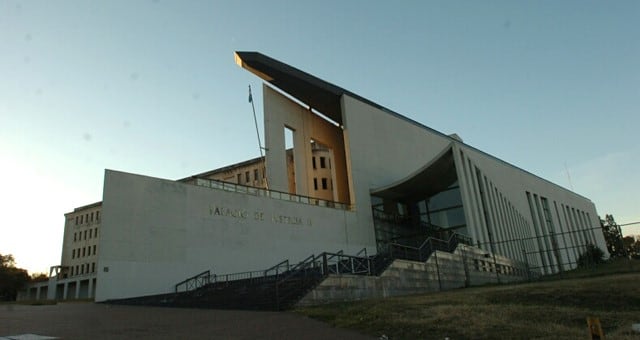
427, 247
277, 267
193, 281
285, 196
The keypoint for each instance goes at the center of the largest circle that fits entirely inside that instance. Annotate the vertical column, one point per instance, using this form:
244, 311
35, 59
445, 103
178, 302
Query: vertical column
467, 198
77, 296
477, 182
65, 291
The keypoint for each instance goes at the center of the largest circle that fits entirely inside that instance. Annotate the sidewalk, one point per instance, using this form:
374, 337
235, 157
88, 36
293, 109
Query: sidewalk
99, 321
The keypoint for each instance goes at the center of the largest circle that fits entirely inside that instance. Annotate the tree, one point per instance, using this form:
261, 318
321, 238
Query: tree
39, 277
613, 236
12, 279
632, 246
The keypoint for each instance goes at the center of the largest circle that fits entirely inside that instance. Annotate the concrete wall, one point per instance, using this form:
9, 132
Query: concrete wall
511, 217
381, 149
157, 232
467, 266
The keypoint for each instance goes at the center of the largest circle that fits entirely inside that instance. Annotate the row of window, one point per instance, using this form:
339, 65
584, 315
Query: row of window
85, 268
86, 218
247, 176
84, 251
324, 162
82, 235
326, 184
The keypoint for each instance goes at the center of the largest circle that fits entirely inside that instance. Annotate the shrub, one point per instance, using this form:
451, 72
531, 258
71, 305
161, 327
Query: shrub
592, 256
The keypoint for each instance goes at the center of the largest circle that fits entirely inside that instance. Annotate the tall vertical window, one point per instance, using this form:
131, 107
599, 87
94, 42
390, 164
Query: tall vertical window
324, 184
255, 174
247, 177
239, 178
97, 215
315, 184
323, 163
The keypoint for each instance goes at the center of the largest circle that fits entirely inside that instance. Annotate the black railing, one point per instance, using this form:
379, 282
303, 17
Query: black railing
193, 282
422, 252
280, 195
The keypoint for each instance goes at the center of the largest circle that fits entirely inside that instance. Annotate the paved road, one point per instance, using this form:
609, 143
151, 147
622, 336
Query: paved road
98, 321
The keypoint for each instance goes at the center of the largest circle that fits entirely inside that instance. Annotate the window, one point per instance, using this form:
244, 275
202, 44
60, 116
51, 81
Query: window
91, 216
86, 217
97, 215
75, 237
324, 183
90, 232
313, 160
255, 174
85, 234
81, 219
95, 232
94, 249
84, 253
77, 271
73, 253
71, 270
76, 220
93, 267
239, 178
315, 184
247, 177
322, 163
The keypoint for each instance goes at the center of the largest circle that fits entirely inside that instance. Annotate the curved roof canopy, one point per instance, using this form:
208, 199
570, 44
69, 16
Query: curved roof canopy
427, 181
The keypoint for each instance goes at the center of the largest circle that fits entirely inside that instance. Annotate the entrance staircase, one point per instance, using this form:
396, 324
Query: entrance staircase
283, 285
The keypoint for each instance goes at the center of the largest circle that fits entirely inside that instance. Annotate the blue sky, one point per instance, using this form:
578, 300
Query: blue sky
151, 87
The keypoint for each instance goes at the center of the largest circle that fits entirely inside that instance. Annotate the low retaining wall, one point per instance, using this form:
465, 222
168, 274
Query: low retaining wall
467, 266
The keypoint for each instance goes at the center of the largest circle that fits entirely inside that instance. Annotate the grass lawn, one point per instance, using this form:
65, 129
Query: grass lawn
555, 308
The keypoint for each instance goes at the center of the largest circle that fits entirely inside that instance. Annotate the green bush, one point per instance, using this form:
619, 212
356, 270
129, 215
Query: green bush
592, 256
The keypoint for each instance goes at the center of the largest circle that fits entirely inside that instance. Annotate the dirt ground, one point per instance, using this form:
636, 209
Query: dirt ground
98, 321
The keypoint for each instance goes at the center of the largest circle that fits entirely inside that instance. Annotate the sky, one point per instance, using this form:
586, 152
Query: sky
151, 87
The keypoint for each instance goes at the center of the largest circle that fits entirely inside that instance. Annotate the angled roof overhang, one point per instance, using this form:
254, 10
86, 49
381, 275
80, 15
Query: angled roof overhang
432, 178
320, 95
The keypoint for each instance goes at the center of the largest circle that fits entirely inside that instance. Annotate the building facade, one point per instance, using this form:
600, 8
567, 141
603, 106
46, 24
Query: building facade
357, 177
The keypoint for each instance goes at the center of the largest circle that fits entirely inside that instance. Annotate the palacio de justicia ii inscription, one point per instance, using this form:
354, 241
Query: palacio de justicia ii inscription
216, 210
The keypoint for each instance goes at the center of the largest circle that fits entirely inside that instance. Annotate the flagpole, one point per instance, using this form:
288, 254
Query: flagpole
255, 120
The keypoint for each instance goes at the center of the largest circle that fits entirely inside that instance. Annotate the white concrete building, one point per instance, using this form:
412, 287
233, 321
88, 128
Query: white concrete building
389, 180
